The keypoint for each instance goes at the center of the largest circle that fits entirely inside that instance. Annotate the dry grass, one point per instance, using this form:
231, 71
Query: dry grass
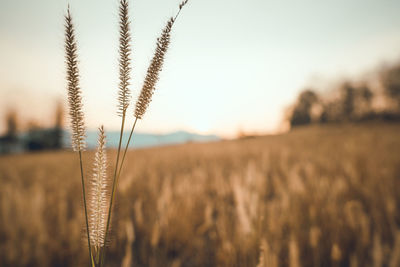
73, 87
100, 214
314, 197
99, 197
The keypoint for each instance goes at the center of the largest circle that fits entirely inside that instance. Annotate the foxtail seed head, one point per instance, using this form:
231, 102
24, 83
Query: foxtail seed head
74, 91
153, 71
156, 64
124, 58
99, 195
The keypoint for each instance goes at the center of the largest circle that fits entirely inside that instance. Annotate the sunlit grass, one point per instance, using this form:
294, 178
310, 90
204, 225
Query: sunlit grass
315, 197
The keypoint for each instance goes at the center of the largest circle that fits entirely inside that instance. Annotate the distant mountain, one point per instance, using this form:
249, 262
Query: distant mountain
140, 140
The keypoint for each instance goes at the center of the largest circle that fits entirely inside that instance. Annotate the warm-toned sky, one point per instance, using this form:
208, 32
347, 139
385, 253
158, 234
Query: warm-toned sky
232, 64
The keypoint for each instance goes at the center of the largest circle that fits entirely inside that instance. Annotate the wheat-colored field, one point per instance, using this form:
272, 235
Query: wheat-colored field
317, 196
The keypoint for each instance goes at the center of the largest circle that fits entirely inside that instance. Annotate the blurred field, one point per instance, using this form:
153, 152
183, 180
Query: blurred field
317, 196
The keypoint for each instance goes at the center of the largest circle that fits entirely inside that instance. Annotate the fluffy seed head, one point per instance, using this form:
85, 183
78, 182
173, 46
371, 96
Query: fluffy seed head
153, 71
99, 195
155, 67
124, 58
74, 91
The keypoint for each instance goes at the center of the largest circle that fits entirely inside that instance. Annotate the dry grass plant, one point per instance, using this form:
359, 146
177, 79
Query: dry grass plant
99, 197
317, 196
99, 218
75, 106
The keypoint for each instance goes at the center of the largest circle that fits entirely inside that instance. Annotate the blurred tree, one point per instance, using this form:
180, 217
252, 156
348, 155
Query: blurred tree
59, 115
364, 102
12, 124
59, 124
391, 83
348, 101
366, 94
9, 143
302, 110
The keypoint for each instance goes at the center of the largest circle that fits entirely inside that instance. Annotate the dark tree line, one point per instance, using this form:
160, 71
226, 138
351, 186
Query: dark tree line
35, 138
353, 102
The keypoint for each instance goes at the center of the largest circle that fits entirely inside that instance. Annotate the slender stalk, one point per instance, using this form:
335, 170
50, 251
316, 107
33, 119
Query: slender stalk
114, 187
75, 105
116, 183
126, 148
124, 95
84, 203
145, 96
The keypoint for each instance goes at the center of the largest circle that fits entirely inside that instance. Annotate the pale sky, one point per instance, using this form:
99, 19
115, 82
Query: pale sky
232, 64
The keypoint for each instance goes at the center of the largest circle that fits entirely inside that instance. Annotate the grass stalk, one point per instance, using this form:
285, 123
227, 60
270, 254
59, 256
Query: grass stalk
124, 96
126, 148
115, 183
84, 204
75, 108
114, 187
99, 188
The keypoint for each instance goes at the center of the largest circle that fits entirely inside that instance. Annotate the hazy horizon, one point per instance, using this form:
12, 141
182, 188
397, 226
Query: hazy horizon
230, 67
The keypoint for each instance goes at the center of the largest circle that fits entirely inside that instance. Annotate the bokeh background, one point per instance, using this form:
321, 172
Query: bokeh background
232, 65
272, 139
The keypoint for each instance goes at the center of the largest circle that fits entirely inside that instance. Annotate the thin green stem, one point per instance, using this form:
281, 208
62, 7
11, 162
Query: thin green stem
114, 186
84, 204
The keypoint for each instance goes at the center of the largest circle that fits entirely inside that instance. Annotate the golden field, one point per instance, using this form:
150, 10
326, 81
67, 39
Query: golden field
317, 196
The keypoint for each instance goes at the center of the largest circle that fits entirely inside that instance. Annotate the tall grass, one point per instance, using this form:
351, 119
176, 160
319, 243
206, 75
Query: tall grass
124, 93
75, 106
152, 75
326, 194
100, 188
98, 225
